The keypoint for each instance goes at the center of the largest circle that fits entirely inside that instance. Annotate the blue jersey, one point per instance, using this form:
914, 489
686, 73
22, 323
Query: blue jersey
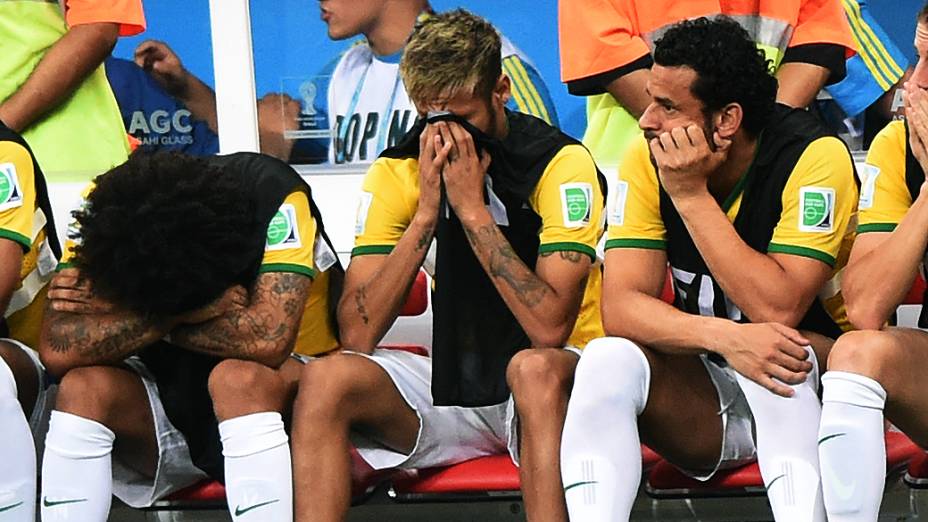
151, 115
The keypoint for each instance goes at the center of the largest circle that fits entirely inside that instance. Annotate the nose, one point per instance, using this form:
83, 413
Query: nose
647, 121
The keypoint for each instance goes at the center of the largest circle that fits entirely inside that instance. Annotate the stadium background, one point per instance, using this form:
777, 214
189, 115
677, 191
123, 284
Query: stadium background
291, 44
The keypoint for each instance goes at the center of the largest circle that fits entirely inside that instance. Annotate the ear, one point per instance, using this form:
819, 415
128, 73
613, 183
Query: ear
502, 91
728, 120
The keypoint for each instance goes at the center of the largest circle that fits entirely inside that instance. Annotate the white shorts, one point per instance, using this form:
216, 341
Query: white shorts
737, 422
447, 434
44, 401
175, 468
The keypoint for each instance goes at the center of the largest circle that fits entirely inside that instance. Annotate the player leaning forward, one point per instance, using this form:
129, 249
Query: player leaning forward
880, 369
751, 204
190, 282
515, 208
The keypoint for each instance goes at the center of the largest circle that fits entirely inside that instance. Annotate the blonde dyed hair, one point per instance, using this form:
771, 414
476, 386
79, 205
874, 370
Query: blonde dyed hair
448, 53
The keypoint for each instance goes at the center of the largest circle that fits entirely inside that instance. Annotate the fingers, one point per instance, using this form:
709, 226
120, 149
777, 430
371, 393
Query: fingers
786, 376
790, 363
464, 141
444, 152
73, 307
446, 137
793, 335
778, 388
485, 160
69, 294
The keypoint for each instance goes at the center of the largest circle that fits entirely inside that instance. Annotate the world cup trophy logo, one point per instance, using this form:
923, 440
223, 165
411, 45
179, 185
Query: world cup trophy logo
308, 93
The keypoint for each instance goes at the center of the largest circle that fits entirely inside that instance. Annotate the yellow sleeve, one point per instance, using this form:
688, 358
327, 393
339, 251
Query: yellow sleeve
884, 196
73, 235
570, 202
291, 238
17, 194
819, 203
635, 207
388, 202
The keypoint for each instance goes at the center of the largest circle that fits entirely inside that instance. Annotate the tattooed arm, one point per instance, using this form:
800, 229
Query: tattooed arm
545, 302
263, 329
376, 287
79, 329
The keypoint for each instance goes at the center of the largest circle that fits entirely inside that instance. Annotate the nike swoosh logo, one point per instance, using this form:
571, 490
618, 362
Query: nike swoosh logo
768, 486
576, 484
829, 437
53, 503
11, 506
239, 511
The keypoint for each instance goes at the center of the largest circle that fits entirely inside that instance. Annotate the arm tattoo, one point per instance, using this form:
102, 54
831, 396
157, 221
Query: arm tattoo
99, 339
270, 321
360, 299
506, 265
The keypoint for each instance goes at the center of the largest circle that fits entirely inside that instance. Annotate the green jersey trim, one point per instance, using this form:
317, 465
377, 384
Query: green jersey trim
775, 248
567, 246
652, 244
372, 250
876, 227
24, 241
287, 267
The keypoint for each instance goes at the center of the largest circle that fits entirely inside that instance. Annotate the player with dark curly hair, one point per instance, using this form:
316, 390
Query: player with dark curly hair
184, 279
751, 204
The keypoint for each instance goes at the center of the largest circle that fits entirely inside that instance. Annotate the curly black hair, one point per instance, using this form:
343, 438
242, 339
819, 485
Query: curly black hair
163, 234
729, 67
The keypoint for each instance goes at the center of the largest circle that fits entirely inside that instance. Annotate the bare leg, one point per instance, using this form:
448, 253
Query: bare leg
540, 380
338, 393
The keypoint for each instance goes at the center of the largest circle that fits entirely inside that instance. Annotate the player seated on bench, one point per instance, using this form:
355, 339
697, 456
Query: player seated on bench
515, 209
185, 277
28, 255
749, 202
880, 368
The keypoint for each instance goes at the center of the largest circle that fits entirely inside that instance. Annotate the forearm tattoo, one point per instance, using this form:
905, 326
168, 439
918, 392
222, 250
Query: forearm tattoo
99, 339
272, 319
502, 262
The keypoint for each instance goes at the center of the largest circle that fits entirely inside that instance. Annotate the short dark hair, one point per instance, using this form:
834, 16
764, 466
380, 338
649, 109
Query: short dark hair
163, 233
923, 14
729, 67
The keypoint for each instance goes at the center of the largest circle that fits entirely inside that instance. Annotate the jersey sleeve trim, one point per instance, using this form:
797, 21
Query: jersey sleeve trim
287, 267
775, 248
568, 246
17, 237
371, 250
64, 265
652, 244
876, 227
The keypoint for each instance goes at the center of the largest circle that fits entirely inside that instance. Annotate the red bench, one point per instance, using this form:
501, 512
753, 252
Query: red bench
494, 477
666, 481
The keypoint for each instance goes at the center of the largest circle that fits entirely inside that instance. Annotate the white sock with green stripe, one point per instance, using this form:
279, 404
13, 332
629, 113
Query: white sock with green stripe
259, 477
787, 450
17, 453
77, 469
600, 447
851, 447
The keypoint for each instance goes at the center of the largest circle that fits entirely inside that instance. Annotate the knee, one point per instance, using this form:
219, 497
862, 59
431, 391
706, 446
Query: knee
867, 352
91, 392
328, 386
612, 368
234, 379
540, 375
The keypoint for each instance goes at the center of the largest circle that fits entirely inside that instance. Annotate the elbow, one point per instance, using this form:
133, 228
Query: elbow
357, 339
56, 362
551, 336
864, 317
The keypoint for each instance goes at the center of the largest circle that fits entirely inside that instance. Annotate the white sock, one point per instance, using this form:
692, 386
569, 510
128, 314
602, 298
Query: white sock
77, 471
17, 453
600, 447
787, 450
852, 447
259, 478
